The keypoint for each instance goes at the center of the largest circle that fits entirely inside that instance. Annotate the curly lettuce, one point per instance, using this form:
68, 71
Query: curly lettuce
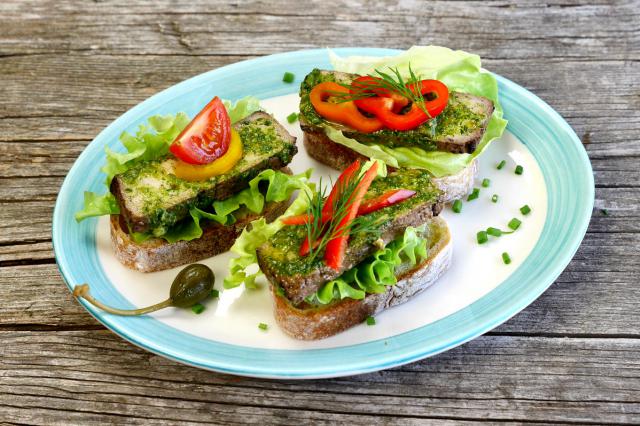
460, 71
151, 141
377, 272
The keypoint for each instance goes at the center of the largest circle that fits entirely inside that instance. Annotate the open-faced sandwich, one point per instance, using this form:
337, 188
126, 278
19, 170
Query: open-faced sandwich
373, 242
185, 189
430, 108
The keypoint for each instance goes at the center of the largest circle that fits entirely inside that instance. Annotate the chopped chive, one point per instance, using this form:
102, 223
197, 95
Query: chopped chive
215, 293
519, 169
494, 199
605, 212
494, 232
292, 118
486, 182
288, 77
501, 165
371, 321
482, 237
525, 210
198, 308
457, 206
514, 223
505, 258
474, 194
263, 326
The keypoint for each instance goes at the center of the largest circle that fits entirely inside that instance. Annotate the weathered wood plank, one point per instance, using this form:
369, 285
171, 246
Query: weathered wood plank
492, 378
494, 29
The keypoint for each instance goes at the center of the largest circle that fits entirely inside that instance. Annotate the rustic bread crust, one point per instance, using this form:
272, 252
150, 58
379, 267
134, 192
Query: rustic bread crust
320, 147
319, 323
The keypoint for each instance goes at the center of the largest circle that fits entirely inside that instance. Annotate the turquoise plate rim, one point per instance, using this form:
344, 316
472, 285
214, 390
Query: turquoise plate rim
556, 147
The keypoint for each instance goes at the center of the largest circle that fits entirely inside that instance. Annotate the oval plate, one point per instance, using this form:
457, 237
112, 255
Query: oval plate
555, 147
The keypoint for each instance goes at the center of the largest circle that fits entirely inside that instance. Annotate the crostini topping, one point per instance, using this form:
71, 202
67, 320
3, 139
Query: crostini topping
207, 137
195, 172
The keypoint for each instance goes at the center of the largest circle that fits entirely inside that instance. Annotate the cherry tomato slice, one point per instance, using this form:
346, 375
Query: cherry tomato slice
207, 137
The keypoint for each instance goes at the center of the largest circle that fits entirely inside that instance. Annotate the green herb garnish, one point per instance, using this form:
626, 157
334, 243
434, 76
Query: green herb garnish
494, 198
525, 210
605, 212
292, 118
501, 165
288, 77
514, 223
495, 232
457, 206
519, 170
475, 194
482, 237
215, 293
371, 321
198, 308
263, 326
505, 258
486, 182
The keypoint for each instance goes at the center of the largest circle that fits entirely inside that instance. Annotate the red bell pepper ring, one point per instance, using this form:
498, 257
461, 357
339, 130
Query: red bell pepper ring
367, 84
387, 199
383, 107
337, 247
207, 137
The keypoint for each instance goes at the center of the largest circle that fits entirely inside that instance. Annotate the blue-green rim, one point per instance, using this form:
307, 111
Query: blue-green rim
570, 187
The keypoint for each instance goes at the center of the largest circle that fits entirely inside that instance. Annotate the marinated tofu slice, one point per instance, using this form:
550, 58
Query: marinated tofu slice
152, 198
300, 277
458, 129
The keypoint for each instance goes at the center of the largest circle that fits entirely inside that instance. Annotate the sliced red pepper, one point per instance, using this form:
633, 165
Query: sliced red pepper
344, 112
347, 174
207, 137
337, 247
387, 199
367, 83
383, 109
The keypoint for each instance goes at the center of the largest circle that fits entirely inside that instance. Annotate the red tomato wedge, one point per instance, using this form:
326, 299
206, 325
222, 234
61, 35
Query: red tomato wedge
337, 247
207, 137
387, 199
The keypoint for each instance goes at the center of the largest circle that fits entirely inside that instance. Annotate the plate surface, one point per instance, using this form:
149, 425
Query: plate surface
476, 295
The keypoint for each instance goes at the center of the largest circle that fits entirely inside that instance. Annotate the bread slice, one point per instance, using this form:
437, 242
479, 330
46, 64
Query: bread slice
458, 129
311, 323
320, 147
151, 197
156, 254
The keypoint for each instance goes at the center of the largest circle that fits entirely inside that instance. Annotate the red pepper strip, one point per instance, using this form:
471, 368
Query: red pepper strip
345, 176
344, 112
387, 199
383, 109
365, 83
337, 247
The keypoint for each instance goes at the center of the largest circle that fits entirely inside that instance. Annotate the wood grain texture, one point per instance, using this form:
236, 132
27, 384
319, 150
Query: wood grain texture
68, 68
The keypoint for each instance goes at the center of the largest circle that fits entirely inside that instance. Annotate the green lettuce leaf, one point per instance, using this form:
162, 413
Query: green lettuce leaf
97, 205
377, 272
256, 234
151, 141
460, 71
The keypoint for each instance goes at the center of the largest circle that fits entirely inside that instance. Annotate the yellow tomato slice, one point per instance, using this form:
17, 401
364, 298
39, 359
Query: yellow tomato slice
192, 172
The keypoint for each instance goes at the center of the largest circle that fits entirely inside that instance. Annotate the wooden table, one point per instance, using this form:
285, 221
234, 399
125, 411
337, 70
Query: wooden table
69, 67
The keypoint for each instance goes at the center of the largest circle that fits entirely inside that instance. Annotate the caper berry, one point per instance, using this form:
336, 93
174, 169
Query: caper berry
192, 285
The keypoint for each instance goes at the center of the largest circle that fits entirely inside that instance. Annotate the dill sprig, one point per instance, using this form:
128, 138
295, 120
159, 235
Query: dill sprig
391, 81
318, 233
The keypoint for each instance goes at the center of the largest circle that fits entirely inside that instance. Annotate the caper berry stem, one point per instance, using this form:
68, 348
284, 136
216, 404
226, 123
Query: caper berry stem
82, 291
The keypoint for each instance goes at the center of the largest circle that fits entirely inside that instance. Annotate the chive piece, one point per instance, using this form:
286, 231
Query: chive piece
494, 198
605, 212
514, 223
519, 169
525, 210
505, 258
501, 165
292, 118
263, 326
482, 237
215, 293
494, 232
474, 194
486, 182
288, 77
371, 321
457, 206
198, 308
